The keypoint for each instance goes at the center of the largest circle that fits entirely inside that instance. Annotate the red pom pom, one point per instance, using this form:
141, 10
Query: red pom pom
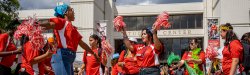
162, 20
211, 53
119, 23
107, 47
33, 31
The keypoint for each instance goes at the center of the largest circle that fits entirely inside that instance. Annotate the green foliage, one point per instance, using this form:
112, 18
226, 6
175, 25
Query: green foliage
173, 58
8, 13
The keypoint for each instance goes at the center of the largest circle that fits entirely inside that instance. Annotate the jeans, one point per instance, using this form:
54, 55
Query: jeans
150, 71
62, 62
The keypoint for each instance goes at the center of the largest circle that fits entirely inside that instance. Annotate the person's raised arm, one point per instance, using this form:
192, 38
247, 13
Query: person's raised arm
126, 40
156, 41
47, 24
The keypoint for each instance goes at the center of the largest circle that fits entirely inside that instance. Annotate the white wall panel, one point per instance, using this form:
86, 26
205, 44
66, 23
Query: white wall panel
83, 14
177, 8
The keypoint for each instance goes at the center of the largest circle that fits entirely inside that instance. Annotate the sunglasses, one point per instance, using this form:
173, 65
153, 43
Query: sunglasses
191, 43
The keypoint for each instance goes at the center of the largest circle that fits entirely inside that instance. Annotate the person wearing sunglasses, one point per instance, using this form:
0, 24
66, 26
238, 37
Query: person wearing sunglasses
195, 58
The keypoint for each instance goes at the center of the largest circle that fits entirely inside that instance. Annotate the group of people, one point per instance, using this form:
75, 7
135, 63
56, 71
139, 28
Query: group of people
58, 55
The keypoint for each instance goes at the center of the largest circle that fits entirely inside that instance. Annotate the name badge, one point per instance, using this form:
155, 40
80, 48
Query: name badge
88, 54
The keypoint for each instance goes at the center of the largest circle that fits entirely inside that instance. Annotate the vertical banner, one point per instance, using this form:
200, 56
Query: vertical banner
213, 33
213, 41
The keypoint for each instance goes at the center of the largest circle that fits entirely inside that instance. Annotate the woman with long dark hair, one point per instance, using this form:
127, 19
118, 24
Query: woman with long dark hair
232, 52
90, 64
147, 54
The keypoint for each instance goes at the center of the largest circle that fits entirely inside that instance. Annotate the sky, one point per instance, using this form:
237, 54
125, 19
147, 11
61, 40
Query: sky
40, 4
49, 4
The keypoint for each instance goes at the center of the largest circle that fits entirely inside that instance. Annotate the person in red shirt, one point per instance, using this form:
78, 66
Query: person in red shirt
8, 53
127, 61
32, 59
147, 54
90, 64
116, 70
232, 52
194, 58
67, 44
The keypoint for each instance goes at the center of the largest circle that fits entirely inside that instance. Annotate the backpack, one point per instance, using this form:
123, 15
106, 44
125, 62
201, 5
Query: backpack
246, 55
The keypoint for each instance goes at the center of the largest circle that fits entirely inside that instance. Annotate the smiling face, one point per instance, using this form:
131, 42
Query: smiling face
145, 36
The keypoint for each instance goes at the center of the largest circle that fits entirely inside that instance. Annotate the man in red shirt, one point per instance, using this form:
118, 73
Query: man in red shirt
68, 38
8, 53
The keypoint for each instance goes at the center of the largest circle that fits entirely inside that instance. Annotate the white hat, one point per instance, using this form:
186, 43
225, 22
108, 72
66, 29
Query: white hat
132, 39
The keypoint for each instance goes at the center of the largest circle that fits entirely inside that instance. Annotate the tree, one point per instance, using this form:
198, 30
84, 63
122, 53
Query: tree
8, 14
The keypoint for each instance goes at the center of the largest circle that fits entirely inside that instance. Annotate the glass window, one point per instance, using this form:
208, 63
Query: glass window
199, 21
131, 22
140, 25
184, 22
191, 21
149, 21
176, 22
171, 21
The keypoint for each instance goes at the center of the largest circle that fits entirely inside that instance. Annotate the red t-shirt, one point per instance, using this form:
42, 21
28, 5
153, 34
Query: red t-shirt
67, 35
147, 56
187, 55
236, 49
28, 55
115, 70
92, 66
7, 60
130, 66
